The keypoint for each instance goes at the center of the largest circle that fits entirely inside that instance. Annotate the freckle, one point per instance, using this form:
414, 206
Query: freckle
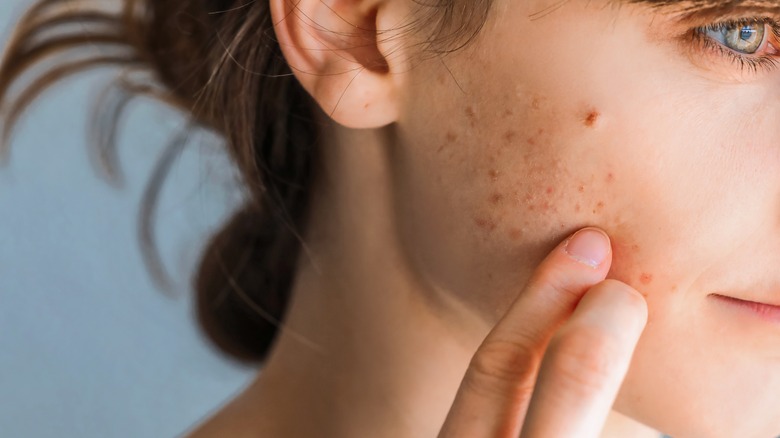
540, 131
490, 276
577, 208
494, 174
451, 136
496, 198
674, 288
470, 112
635, 247
531, 141
600, 205
441, 148
592, 118
536, 103
610, 177
515, 233
550, 190
646, 278
509, 136
531, 208
366, 105
508, 113
581, 189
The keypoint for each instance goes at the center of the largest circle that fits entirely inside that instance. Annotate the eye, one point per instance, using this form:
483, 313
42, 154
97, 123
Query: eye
743, 38
751, 43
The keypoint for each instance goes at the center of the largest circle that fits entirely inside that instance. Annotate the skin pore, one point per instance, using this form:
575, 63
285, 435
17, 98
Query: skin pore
424, 230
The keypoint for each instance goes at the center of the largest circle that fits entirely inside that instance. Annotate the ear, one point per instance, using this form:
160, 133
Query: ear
341, 59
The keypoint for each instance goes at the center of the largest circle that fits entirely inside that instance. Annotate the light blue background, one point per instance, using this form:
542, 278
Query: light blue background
88, 347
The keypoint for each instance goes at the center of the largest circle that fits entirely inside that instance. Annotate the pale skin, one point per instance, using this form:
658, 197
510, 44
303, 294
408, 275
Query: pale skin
446, 191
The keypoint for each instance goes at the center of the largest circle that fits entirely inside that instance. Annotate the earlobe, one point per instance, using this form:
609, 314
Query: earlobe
335, 51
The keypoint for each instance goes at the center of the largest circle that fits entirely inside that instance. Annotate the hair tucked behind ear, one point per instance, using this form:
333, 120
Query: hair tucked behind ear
219, 63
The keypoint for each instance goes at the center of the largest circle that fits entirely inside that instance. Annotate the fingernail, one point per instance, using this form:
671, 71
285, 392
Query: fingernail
589, 246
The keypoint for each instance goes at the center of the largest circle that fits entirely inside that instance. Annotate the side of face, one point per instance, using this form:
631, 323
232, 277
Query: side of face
591, 114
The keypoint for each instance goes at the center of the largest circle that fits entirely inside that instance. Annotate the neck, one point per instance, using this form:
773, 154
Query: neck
366, 348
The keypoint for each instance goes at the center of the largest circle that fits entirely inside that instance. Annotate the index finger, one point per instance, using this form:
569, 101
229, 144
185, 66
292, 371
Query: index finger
495, 391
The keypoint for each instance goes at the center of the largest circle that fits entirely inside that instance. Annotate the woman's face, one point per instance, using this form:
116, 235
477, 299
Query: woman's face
566, 114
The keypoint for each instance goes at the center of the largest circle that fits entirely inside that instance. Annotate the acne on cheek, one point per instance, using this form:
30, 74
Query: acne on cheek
534, 194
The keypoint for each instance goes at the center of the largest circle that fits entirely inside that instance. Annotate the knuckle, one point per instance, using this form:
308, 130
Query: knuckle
584, 360
502, 368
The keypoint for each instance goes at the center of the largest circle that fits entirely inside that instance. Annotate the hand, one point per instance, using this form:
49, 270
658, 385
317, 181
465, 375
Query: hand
553, 365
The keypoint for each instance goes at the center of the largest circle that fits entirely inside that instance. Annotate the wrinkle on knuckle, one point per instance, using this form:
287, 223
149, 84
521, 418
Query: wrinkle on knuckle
584, 360
503, 368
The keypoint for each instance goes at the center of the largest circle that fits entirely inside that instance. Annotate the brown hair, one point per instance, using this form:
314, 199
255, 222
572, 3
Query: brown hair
218, 62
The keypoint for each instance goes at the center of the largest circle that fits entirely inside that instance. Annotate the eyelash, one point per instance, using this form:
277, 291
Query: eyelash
745, 62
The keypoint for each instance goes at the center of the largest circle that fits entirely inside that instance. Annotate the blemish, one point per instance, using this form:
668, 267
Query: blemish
508, 113
451, 136
581, 189
550, 190
485, 224
577, 208
540, 131
646, 278
536, 103
600, 204
610, 177
591, 119
441, 148
494, 174
509, 136
515, 233
531, 141
635, 247
496, 198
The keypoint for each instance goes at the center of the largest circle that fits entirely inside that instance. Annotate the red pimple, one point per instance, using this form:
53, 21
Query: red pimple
496, 198
550, 190
577, 208
646, 278
531, 141
592, 118
494, 174
610, 177
581, 189
509, 136
515, 233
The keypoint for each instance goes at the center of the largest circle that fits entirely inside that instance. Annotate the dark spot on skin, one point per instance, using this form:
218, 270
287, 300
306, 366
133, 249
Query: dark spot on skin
600, 204
674, 288
515, 233
442, 78
581, 189
646, 278
531, 141
485, 224
494, 174
591, 118
451, 137
563, 226
509, 136
546, 206
366, 105
550, 190
496, 198
540, 131
610, 177
531, 208
470, 112
508, 113
577, 208
536, 103
441, 148
634, 247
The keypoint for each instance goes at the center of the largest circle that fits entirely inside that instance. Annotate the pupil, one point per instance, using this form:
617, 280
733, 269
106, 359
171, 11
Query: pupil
746, 33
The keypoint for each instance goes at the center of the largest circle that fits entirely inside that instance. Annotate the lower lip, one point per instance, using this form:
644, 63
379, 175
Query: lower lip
766, 312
